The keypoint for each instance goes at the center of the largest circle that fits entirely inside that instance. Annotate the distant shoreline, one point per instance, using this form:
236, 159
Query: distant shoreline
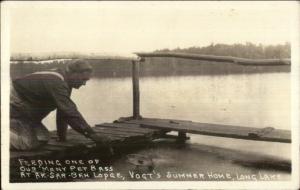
152, 67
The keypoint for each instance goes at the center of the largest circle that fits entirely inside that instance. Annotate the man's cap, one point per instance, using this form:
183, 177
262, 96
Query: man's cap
79, 65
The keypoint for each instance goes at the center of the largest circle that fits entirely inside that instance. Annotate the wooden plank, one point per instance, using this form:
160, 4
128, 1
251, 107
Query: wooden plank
77, 139
109, 132
127, 127
131, 126
112, 134
166, 120
74, 136
119, 131
155, 120
275, 135
208, 126
285, 135
121, 124
237, 60
137, 122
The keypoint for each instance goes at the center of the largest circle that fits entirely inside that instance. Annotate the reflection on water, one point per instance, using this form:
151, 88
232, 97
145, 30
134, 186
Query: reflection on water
256, 100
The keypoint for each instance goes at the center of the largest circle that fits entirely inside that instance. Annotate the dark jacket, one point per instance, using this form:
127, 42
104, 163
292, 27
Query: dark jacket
42, 92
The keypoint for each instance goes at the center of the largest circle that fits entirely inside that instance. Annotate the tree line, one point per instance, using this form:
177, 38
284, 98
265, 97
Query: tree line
247, 50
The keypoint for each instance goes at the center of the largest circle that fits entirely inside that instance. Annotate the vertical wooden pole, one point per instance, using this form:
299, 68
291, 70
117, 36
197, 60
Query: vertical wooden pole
136, 89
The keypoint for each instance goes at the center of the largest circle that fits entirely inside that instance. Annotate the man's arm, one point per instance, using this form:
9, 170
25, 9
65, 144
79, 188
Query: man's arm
59, 92
61, 126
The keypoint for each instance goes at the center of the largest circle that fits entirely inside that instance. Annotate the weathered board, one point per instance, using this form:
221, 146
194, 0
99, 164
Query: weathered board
248, 133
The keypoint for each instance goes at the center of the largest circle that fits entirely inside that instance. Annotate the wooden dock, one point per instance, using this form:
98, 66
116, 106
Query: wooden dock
129, 132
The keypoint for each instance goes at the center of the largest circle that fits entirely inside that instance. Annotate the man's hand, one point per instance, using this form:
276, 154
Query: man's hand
102, 140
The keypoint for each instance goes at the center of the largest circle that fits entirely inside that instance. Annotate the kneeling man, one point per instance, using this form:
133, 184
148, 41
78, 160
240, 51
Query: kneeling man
35, 95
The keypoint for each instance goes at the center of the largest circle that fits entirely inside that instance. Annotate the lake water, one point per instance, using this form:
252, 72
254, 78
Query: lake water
256, 100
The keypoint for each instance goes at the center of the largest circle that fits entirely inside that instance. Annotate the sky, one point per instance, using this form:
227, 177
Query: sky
124, 27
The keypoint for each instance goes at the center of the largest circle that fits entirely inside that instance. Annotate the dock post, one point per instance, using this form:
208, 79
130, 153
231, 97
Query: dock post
136, 89
182, 137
